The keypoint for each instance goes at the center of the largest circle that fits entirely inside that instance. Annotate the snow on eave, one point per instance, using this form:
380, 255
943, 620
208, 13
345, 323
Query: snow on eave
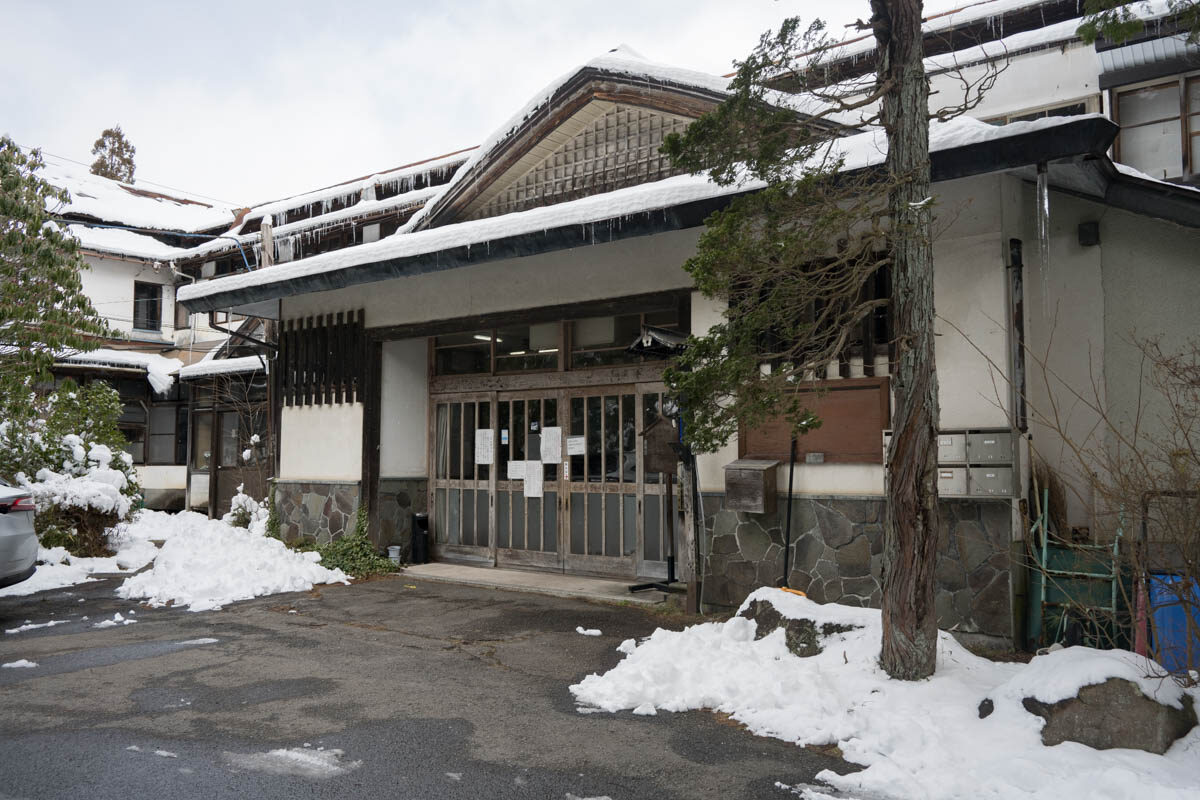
223, 366
159, 369
1131, 172
114, 241
408, 171
620, 61
861, 150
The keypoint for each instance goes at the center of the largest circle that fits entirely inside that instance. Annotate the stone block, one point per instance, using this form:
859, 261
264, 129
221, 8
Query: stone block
949, 574
854, 559
808, 550
1113, 714
973, 546
724, 545
752, 541
836, 530
743, 573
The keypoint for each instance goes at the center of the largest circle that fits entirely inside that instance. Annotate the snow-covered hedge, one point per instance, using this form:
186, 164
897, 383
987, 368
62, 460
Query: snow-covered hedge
65, 448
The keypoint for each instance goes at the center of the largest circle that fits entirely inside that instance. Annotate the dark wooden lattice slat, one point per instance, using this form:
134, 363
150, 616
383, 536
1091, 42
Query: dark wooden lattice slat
322, 359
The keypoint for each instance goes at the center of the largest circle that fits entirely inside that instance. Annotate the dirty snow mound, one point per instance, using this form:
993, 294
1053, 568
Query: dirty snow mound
916, 739
295, 761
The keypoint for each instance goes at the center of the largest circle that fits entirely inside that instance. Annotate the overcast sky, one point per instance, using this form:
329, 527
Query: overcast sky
249, 101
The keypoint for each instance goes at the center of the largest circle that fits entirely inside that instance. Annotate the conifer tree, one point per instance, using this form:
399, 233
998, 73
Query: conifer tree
114, 156
43, 310
790, 262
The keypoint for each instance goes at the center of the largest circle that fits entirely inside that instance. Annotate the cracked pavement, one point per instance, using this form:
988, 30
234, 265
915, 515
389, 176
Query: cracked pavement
393, 688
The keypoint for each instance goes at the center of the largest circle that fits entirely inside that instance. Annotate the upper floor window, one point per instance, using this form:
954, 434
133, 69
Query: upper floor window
1160, 127
1087, 105
147, 306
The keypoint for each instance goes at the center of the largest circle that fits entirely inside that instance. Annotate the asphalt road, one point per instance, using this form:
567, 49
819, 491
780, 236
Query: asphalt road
428, 690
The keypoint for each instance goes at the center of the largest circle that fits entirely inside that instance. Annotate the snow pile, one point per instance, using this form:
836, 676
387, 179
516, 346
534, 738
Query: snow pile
208, 563
114, 622
244, 510
88, 481
916, 739
582, 631
22, 663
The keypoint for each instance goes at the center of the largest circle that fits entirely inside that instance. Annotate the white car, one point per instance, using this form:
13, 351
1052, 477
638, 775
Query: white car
18, 542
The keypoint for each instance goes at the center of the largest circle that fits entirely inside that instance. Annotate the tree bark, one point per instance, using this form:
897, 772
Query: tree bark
909, 648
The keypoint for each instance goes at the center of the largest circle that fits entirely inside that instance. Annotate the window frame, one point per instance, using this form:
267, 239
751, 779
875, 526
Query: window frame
1183, 82
143, 287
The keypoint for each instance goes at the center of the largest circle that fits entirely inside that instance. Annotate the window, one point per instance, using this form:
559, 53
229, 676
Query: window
463, 353
202, 441
147, 306
168, 434
1160, 128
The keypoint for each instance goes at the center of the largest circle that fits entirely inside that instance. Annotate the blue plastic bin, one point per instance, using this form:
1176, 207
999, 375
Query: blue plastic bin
1175, 635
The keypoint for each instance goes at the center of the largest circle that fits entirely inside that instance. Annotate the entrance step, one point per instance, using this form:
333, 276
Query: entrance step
551, 583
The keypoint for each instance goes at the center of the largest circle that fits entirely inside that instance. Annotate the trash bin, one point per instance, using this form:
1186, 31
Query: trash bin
420, 538
394, 554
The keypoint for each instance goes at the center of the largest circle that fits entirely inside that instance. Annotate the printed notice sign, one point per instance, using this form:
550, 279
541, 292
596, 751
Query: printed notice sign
516, 470
551, 445
485, 446
576, 446
533, 479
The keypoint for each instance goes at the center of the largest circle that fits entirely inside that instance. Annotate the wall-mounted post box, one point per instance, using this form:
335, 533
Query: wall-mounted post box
952, 481
990, 448
952, 448
991, 481
750, 485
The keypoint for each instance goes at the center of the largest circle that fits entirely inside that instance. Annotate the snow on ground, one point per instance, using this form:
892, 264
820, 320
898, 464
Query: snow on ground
23, 663
131, 541
294, 761
208, 563
582, 631
916, 739
30, 626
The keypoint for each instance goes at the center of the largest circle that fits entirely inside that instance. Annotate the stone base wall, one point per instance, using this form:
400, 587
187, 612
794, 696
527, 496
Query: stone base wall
837, 556
323, 511
399, 499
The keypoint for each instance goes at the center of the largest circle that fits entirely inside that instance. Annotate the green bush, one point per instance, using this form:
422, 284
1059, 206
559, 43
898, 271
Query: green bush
354, 553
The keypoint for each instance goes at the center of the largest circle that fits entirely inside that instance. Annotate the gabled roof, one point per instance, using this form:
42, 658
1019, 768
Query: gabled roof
619, 76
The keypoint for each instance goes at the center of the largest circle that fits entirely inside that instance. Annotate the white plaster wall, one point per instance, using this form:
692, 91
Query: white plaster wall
109, 285
710, 470
162, 476
580, 274
321, 443
971, 330
1031, 80
1064, 313
404, 409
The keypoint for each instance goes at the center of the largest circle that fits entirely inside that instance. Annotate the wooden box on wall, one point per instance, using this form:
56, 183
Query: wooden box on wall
750, 485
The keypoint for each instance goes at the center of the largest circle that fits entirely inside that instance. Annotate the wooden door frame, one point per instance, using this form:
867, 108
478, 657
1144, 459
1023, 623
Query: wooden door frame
472, 553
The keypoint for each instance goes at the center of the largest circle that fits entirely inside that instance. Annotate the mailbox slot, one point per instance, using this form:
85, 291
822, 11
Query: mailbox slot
750, 486
991, 481
952, 481
990, 448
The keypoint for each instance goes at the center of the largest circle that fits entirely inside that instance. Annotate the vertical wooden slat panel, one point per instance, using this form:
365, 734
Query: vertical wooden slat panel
338, 363
327, 358
309, 355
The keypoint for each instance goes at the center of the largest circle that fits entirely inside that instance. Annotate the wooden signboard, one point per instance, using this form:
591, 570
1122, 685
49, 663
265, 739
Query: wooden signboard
853, 413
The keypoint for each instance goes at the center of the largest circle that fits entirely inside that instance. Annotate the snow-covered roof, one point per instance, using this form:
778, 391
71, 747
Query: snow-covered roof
222, 366
159, 369
122, 242
138, 206
595, 211
622, 61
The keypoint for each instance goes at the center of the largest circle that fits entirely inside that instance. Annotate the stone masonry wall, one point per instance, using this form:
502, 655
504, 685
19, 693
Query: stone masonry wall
399, 499
837, 555
323, 511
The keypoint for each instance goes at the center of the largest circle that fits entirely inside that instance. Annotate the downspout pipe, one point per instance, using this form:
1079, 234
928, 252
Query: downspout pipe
787, 527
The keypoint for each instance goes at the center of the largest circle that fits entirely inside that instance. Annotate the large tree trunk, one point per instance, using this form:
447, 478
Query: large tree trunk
909, 649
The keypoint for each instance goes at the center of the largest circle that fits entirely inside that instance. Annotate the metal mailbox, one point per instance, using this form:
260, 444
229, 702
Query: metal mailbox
952, 481
952, 448
991, 481
990, 448
750, 485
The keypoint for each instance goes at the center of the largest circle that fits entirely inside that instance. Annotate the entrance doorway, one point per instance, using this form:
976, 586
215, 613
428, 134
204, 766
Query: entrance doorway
600, 512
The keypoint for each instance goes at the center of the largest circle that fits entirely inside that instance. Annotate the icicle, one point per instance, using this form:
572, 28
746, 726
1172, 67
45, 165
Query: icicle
1043, 227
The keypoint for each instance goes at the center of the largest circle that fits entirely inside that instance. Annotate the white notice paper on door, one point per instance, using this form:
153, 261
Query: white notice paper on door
576, 446
533, 479
516, 470
484, 446
551, 445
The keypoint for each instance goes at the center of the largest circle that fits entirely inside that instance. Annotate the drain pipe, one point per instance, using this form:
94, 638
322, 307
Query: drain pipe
787, 546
